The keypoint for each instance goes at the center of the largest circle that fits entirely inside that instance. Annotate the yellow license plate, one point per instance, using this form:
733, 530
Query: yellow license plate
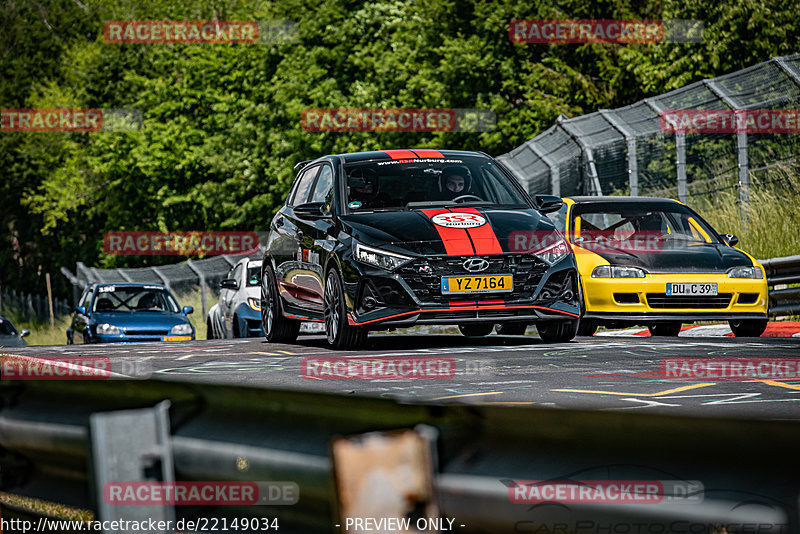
177, 338
486, 283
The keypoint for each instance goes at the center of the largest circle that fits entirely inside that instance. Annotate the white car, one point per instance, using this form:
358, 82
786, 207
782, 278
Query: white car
238, 312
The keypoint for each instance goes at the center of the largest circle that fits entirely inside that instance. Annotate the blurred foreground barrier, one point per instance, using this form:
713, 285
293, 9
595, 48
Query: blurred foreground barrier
781, 272
491, 468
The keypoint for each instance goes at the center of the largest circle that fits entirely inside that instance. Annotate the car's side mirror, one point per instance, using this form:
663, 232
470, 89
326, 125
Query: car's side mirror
311, 211
229, 283
187, 310
730, 239
548, 203
80, 310
24, 332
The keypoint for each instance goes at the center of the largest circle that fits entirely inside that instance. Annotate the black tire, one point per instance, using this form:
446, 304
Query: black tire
339, 333
210, 329
587, 327
476, 329
276, 327
671, 329
748, 327
557, 331
235, 327
514, 328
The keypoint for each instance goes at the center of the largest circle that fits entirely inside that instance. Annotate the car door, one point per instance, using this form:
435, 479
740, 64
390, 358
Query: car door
294, 281
229, 298
80, 322
316, 238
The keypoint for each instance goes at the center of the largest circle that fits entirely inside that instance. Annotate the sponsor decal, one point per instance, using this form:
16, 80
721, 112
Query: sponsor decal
354, 205
457, 219
69, 120
180, 243
730, 368
201, 493
730, 121
398, 120
604, 31
378, 368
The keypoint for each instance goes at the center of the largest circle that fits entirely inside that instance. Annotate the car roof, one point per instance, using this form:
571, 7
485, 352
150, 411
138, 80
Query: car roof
621, 200
353, 157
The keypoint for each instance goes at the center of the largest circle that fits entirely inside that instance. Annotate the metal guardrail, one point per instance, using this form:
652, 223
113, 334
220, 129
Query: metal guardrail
748, 469
781, 271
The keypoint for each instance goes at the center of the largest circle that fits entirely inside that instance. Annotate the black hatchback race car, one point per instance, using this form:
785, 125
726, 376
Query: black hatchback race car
389, 239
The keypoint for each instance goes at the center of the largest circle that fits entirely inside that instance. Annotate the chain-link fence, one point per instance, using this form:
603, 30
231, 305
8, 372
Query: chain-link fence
629, 151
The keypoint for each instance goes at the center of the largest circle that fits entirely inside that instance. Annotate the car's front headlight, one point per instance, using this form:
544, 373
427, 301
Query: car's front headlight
379, 258
616, 271
106, 329
746, 272
554, 253
183, 329
254, 304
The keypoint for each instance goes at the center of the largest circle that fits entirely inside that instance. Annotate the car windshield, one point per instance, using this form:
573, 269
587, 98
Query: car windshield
253, 275
676, 224
134, 299
429, 182
6, 328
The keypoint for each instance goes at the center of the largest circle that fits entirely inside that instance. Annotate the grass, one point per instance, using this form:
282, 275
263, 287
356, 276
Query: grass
773, 226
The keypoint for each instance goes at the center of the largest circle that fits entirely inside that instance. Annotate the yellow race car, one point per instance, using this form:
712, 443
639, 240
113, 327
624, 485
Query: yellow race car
655, 262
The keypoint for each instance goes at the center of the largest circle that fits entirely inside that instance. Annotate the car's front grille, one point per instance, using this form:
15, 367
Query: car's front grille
424, 276
662, 301
134, 332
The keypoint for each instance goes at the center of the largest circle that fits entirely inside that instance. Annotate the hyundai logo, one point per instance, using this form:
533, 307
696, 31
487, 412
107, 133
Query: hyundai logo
475, 265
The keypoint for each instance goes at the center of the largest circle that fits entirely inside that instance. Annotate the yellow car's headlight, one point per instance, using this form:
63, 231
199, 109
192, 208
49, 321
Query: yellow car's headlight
616, 271
746, 272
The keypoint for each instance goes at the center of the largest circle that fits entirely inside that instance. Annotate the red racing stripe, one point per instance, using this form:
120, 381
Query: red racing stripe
456, 241
425, 153
483, 237
400, 154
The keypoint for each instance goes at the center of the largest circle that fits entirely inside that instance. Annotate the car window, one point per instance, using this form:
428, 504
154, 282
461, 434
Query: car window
303, 187
427, 183
6, 328
87, 298
254, 275
559, 218
134, 299
323, 187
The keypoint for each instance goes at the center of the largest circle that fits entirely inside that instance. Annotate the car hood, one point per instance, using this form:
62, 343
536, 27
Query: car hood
700, 258
12, 341
143, 320
413, 231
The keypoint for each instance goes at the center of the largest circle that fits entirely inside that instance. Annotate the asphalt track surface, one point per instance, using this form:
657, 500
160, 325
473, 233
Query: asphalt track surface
597, 373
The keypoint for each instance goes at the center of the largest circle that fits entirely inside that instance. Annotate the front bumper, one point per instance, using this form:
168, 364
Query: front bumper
645, 299
133, 338
404, 298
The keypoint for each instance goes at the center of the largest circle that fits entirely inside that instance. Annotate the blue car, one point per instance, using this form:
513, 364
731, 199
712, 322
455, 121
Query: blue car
109, 313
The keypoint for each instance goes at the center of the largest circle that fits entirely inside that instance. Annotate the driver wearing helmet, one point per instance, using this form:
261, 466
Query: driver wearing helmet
363, 183
454, 182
